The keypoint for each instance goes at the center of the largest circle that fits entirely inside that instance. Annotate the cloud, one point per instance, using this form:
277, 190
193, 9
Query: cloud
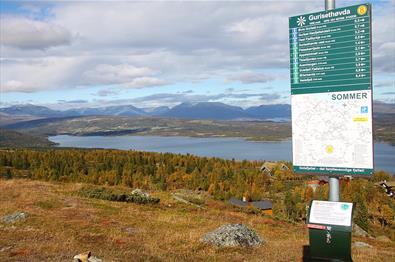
171, 99
106, 92
25, 33
142, 82
385, 83
251, 78
80, 101
131, 76
36, 74
144, 44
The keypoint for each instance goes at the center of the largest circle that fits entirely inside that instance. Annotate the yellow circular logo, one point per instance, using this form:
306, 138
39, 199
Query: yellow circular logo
329, 149
362, 9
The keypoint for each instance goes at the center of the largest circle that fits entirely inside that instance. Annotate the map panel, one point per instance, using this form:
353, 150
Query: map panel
332, 132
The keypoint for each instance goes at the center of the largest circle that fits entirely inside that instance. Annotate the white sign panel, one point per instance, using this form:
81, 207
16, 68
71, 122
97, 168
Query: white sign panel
332, 213
332, 132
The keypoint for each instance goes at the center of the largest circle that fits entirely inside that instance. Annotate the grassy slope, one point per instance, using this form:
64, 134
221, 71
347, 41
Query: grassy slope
61, 225
10, 138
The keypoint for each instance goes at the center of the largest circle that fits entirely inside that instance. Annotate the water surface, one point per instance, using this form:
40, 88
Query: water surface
228, 148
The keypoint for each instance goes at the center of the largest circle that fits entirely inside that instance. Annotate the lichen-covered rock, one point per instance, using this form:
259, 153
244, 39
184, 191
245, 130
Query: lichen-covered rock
18, 216
140, 192
233, 235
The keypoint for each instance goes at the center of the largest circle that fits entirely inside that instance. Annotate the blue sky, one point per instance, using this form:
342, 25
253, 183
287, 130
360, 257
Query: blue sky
66, 54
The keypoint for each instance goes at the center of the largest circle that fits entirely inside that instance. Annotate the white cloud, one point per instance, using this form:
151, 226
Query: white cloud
25, 33
251, 77
146, 82
135, 44
115, 74
35, 74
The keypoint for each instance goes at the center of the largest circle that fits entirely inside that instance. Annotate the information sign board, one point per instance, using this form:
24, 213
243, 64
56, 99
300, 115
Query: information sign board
331, 213
331, 90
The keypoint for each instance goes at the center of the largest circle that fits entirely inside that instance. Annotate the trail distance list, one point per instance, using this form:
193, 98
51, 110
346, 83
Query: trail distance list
331, 90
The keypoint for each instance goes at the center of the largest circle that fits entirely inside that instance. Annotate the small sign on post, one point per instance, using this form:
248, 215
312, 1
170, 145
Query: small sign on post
330, 229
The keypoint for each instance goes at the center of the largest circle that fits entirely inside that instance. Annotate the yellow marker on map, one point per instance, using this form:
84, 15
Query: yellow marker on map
329, 149
360, 119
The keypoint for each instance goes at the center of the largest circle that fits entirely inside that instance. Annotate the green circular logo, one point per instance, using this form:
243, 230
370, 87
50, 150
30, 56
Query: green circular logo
345, 206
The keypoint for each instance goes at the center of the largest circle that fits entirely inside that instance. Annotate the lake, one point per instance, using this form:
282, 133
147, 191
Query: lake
227, 148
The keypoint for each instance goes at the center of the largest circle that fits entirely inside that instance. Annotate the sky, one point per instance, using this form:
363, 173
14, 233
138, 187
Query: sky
72, 54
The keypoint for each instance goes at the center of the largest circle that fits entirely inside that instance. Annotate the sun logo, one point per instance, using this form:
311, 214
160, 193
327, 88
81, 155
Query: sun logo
301, 21
362, 9
329, 149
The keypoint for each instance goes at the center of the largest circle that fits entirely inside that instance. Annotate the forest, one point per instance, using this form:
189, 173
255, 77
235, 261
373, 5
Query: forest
222, 179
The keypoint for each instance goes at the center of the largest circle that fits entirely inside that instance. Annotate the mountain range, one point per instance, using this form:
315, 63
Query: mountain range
203, 110
200, 111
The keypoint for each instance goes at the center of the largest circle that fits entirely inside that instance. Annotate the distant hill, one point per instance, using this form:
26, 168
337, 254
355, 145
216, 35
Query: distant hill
381, 107
10, 138
124, 110
157, 111
199, 111
30, 110
202, 110
270, 111
207, 110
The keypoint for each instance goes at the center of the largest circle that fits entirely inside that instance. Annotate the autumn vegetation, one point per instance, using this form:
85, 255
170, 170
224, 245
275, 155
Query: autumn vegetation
103, 175
220, 178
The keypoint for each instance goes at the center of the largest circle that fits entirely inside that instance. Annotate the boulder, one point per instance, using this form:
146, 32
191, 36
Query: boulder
361, 244
233, 235
86, 257
140, 192
10, 219
359, 232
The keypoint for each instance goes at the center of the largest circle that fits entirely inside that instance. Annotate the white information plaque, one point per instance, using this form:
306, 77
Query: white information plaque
332, 213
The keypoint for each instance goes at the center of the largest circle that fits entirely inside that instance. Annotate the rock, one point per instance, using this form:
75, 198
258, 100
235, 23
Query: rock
383, 239
233, 235
140, 192
361, 244
94, 259
130, 230
359, 232
18, 216
5, 249
86, 257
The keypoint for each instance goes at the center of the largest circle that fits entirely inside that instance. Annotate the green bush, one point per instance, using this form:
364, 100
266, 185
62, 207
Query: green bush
108, 194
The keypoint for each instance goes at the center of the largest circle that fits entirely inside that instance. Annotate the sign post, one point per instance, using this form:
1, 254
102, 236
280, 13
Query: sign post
331, 93
334, 183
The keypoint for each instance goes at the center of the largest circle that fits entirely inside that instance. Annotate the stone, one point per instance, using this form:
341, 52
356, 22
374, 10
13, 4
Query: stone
233, 235
10, 219
140, 192
359, 232
5, 249
86, 257
383, 239
130, 230
361, 244
94, 259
